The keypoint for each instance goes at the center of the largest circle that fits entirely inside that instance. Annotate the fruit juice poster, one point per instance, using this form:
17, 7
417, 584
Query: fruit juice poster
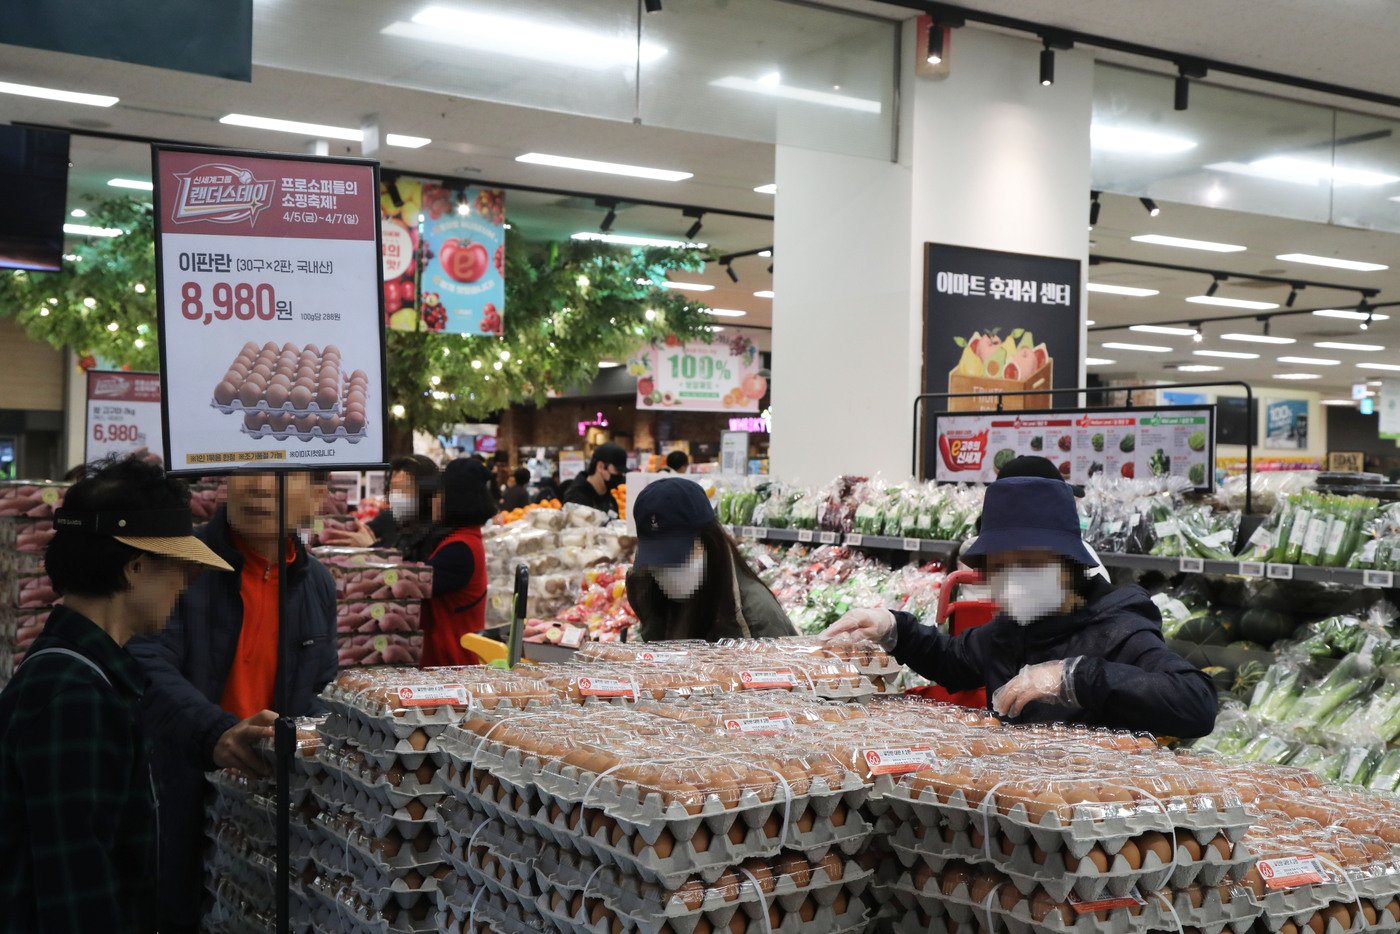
699, 376
463, 290
998, 326
400, 204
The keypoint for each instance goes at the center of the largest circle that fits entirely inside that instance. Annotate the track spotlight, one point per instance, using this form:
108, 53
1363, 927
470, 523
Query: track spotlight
1094, 209
1198, 336
770, 269
1214, 285
1184, 74
1293, 291
1150, 206
608, 219
1265, 321
729, 269
695, 227
934, 52
1365, 306
1047, 66
653, 6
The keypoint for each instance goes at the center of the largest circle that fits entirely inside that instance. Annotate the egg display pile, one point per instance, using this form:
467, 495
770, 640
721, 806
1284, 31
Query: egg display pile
378, 599
653, 789
26, 594
240, 870
294, 391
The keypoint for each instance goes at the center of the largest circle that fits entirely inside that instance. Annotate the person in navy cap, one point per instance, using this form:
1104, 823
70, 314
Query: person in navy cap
1066, 647
689, 580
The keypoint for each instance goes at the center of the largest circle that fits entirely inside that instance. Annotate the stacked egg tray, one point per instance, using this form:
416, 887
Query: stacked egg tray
240, 824
292, 391
26, 594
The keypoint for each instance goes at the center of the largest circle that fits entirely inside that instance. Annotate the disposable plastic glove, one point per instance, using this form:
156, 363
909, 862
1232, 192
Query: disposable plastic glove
1052, 682
875, 625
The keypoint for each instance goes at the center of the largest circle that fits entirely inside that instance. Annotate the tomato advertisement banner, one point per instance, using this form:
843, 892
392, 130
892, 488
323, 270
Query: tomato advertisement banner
270, 319
123, 414
400, 204
1130, 443
698, 376
463, 289
997, 323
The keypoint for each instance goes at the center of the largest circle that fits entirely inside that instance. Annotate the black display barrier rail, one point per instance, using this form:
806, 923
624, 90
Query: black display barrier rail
920, 443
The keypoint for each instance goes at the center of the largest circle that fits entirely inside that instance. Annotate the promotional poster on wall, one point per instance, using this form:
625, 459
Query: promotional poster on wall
1286, 424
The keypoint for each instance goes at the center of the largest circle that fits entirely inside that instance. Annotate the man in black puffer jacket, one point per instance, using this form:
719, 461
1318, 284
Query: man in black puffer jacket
221, 665
1066, 648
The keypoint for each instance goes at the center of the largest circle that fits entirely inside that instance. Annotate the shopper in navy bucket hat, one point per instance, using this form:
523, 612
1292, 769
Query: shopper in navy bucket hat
1066, 647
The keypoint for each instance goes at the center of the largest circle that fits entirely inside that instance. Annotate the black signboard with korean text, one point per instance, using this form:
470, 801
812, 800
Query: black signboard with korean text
997, 322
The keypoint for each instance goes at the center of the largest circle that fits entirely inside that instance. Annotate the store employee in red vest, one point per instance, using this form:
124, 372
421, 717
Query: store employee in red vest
458, 604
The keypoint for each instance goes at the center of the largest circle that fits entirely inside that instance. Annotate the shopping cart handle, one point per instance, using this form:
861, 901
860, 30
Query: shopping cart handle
954, 579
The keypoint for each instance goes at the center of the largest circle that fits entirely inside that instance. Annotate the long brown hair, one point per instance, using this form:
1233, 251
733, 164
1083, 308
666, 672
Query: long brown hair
722, 562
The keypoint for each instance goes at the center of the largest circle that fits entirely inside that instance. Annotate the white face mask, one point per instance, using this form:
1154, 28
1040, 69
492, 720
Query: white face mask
1027, 594
681, 581
404, 506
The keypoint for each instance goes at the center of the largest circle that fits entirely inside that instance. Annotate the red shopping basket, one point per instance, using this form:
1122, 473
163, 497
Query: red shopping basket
960, 616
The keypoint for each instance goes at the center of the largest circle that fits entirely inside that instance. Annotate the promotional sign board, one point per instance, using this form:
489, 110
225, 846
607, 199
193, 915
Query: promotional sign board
400, 204
1286, 423
1136, 442
1346, 461
733, 452
270, 320
123, 414
1389, 408
698, 376
464, 286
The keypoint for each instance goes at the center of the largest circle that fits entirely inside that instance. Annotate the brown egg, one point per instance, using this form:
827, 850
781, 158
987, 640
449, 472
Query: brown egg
701, 841
330, 424
225, 392
1010, 897
395, 775
923, 875
418, 740
263, 370
358, 408
1131, 854
300, 397
955, 875
271, 348
257, 379
1191, 845
280, 421
331, 349
250, 394
248, 349
306, 373
276, 394
355, 397
1155, 843
692, 894
1221, 844
282, 376
807, 911
312, 349
417, 809
796, 866
290, 348
761, 873
304, 423
254, 420
737, 833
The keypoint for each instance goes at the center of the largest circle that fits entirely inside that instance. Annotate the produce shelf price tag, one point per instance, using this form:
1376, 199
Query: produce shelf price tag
855, 539
1280, 572
1251, 569
759, 726
606, 687
271, 321
806, 535
432, 695
1192, 565
1288, 872
1378, 579
760, 680
123, 414
898, 761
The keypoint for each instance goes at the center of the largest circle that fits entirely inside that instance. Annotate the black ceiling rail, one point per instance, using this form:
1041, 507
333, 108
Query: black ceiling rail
1195, 65
923, 397
1199, 320
1097, 259
387, 174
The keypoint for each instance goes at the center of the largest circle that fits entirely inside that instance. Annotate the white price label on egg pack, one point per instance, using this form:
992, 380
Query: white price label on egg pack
759, 680
758, 726
432, 695
899, 760
606, 687
1288, 872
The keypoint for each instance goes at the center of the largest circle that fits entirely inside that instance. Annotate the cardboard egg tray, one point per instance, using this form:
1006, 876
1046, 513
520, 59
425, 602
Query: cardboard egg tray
376, 889
484, 912
408, 857
960, 906
1275, 922
335, 795
1085, 882
236, 407
569, 877
1214, 914
1300, 904
1078, 835
914, 843
315, 434
379, 791
503, 866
